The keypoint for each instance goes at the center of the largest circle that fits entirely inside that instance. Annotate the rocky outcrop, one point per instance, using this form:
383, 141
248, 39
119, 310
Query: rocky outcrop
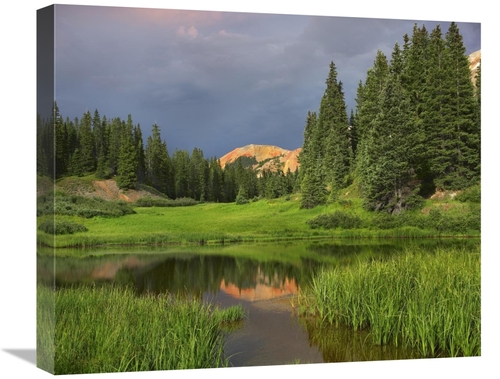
268, 157
475, 62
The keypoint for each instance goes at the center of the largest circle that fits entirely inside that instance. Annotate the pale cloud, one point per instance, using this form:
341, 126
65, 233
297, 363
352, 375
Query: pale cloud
190, 32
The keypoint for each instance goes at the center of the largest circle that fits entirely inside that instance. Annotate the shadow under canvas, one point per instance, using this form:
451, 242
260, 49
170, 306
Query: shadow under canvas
28, 355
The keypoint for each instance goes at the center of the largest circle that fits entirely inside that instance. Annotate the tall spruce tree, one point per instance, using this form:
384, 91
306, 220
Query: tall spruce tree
312, 184
334, 127
353, 135
456, 161
180, 163
198, 175
433, 114
87, 145
115, 133
308, 146
215, 181
141, 159
159, 172
368, 100
416, 64
394, 146
127, 161
102, 146
62, 153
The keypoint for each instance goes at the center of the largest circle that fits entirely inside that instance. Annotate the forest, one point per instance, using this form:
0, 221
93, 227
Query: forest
415, 129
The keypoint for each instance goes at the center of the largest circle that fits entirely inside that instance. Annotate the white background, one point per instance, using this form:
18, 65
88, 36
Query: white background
18, 185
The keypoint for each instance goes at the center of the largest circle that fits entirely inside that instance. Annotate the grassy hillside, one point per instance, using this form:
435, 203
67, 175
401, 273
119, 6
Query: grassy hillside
262, 220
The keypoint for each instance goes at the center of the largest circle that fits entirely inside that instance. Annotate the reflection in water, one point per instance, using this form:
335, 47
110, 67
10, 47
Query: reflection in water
343, 344
266, 287
269, 335
191, 274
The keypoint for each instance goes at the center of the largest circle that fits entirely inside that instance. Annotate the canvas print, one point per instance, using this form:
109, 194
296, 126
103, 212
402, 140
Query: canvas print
224, 189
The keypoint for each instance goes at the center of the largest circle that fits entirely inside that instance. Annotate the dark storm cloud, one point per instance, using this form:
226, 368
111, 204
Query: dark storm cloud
214, 80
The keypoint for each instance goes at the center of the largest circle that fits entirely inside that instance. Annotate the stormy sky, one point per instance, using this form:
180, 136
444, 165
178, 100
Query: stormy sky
216, 80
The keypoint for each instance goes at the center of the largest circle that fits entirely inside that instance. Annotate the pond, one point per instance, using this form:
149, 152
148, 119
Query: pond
263, 278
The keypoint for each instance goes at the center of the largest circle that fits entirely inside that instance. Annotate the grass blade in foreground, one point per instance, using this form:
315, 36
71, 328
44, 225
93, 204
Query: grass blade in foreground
110, 329
431, 302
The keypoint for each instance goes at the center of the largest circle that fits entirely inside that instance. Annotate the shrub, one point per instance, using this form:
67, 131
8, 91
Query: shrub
62, 204
61, 227
241, 198
455, 223
180, 202
471, 194
335, 220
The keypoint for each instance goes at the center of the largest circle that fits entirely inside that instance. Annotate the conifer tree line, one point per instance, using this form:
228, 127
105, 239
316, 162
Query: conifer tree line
115, 148
415, 128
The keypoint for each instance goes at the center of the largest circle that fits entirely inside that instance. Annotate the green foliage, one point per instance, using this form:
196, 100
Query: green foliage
110, 329
62, 204
61, 227
179, 202
471, 194
428, 302
87, 144
158, 165
337, 219
128, 159
241, 198
245, 161
455, 222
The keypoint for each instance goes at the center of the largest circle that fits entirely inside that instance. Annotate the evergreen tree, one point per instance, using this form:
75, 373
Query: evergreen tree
308, 147
353, 135
159, 171
334, 128
141, 158
116, 130
456, 162
102, 146
433, 113
76, 163
42, 163
127, 162
198, 175
62, 153
312, 179
215, 184
368, 99
312, 186
180, 163
229, 183
415, 65
87, 144
369, 96
389, 176
397, 61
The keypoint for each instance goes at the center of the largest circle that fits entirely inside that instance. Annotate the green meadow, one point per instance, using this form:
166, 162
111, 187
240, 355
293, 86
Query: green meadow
262, 220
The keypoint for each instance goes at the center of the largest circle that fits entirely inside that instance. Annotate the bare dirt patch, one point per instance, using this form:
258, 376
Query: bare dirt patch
109, 190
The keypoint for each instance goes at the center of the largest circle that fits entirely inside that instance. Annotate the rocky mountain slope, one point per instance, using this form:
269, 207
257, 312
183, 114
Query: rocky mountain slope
268, 157
475, 62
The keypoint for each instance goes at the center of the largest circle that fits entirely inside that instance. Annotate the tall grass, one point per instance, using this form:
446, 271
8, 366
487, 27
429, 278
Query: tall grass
45, 327
110, 329
430, 302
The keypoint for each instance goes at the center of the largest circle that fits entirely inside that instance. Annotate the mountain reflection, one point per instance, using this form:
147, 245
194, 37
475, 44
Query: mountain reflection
193, 275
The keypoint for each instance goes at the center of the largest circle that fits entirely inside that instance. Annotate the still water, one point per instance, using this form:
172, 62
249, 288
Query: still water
263, 278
